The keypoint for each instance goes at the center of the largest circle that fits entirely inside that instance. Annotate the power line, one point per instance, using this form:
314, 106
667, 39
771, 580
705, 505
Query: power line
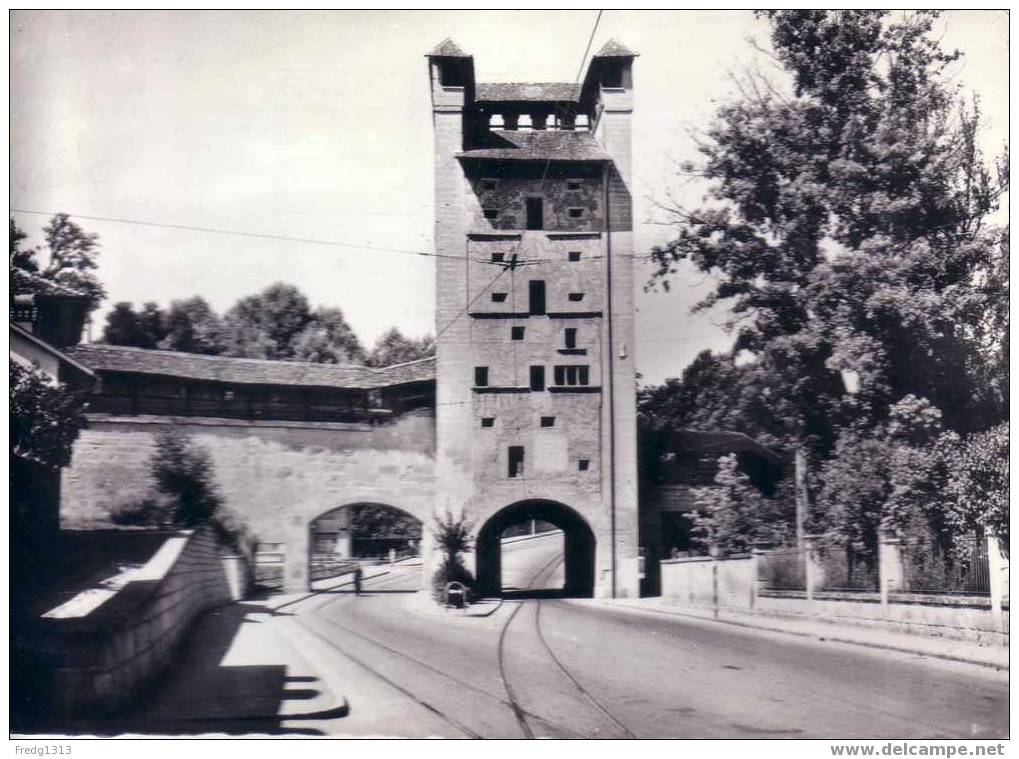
242, 233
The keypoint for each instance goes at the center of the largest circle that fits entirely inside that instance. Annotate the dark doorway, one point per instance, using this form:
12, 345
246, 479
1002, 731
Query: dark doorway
573, 574
535, 213
536, 297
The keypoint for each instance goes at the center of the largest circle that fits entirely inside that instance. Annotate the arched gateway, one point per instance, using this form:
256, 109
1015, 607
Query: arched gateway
578, 544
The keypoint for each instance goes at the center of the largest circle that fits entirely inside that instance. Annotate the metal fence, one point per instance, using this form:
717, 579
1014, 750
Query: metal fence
269, 566
928, 567
325, 566
842, 569
782, 570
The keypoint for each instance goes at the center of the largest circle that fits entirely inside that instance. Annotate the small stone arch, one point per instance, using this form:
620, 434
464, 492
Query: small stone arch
332, 535
578, 540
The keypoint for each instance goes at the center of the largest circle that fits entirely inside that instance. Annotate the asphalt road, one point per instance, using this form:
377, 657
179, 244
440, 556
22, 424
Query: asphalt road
561, 668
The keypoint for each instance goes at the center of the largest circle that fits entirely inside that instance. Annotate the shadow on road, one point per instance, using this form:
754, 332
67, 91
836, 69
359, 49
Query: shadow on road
514, 594
199, 694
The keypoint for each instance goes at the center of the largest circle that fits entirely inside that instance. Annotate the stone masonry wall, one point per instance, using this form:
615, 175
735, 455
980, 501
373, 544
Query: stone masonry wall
278, 476
106, 656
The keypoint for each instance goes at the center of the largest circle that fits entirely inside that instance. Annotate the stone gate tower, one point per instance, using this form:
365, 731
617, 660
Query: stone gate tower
535, 313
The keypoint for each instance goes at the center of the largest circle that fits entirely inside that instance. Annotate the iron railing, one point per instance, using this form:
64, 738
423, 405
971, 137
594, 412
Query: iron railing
930, 568
784, 569
842, 569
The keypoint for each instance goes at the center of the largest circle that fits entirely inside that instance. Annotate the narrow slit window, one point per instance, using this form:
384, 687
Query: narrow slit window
488, 421
572, 184
537, 378
574, 256
576, 297
583, 375
571, 338
516, 333
535, 213
536, 297
560, 375
481, 376
548, 421
583, 464
516, 461
575, 213
498, 297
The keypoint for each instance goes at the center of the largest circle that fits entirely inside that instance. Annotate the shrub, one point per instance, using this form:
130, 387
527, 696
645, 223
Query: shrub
733, 515
183, 473
452, 535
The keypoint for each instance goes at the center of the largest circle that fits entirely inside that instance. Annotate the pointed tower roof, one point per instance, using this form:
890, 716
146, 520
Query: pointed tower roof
613, 49
448, 49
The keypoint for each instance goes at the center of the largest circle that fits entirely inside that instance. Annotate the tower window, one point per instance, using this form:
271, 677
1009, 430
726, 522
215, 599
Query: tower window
572, 184
536, 297
516, 461
489, 184
576, 297
498, 297
537, 378
535, 213
488, 421
491, 213
575, 213
548, 421
498, 257
612, 74
574, 256
453, 73
516, 333
481, 376
571, 338
583, 464
572, 375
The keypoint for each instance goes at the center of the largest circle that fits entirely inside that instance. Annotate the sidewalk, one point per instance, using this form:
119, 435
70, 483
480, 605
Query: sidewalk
819, 630
238, 672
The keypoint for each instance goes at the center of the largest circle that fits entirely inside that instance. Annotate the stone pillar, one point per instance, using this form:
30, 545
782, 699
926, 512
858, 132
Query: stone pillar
813, 568
996, 568
757, 585
889, 565
295, 562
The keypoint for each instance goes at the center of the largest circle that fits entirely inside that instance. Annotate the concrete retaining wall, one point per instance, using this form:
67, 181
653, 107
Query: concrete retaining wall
706, 584
110, 642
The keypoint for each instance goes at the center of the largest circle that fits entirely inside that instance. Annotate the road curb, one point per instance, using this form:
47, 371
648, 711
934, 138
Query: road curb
836, 638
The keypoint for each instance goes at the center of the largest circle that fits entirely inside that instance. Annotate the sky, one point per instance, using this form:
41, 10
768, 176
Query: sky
316, 125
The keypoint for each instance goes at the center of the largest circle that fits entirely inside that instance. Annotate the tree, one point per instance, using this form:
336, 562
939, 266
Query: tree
72, 254
184, 478
265, 325
374, 522
328, 339
847, 226
191, 326
453, 537
21, 258
45, 419
394, 348
72, 258
733, 516
138, 329
714, 393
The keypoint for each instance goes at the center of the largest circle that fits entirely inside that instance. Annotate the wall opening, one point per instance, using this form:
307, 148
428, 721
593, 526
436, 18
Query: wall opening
343, 538
559, 561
